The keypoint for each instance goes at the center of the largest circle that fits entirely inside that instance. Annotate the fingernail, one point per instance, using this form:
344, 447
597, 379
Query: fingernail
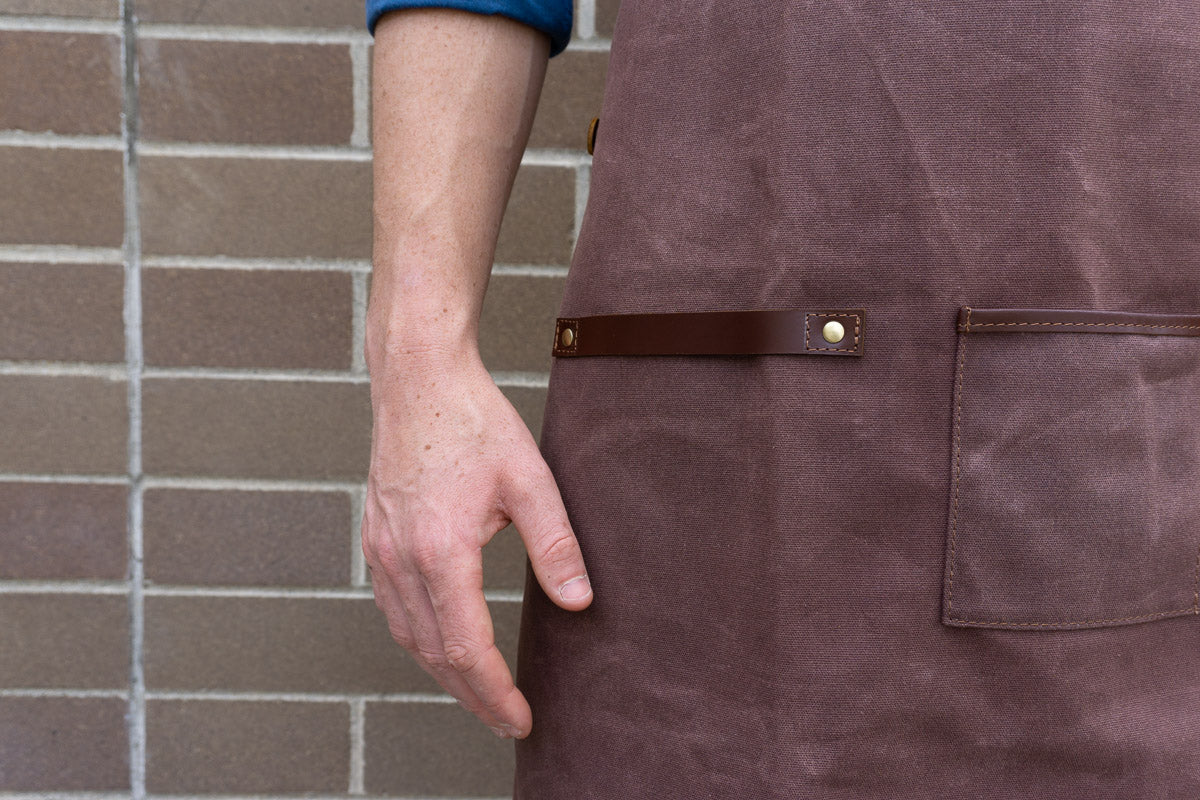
502, 733
575, 589
513, 732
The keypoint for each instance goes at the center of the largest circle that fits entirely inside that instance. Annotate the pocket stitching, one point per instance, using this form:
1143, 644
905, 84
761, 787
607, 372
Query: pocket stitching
1194, 608
1196, 591
1073, 324
962, 354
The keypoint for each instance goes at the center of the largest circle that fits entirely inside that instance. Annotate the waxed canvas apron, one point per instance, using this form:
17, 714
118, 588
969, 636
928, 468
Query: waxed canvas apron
959, 558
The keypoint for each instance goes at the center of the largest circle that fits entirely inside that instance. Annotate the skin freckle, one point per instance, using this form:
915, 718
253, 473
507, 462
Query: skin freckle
428, 446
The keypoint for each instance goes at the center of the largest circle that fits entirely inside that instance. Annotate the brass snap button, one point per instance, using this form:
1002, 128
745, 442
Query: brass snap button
591, 134
567, 337
833, 331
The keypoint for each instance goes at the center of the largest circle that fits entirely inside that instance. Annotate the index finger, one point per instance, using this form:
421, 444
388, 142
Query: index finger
456, 591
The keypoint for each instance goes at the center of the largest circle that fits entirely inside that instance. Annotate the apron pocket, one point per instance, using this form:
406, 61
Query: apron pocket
1075, 469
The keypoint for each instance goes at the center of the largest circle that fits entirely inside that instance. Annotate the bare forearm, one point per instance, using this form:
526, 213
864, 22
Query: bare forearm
454, 98
451, 460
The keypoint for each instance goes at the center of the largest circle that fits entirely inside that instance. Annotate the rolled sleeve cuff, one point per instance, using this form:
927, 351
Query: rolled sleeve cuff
552, 17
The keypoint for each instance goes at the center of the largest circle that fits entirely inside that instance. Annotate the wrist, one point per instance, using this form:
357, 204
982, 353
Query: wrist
414, 322
415, 338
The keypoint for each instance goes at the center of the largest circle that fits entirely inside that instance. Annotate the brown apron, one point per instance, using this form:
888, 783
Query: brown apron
960, 559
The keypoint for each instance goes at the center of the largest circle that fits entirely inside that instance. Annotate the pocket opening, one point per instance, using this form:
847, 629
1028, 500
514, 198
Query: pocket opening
1073, 513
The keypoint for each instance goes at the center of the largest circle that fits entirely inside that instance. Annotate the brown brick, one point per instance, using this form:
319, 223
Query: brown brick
606, 16
516, 328
530, 403
255, 207
72, 197
247, 538
62, 531
60, 82
104, 9
539, 222
234, 747
63, 744
274, 13
433, 750
232, 318
256, 429
287, 645
62, 312
245, 92
75, 641
571, 96
504, 561
62, 424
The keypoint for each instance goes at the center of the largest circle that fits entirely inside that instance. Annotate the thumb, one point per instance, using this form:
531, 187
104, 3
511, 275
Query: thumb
534, 505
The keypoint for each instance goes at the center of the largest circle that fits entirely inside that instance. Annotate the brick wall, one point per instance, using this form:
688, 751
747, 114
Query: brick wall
184, 417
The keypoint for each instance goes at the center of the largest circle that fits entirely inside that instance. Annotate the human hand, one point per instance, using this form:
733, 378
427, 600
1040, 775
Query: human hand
452, 463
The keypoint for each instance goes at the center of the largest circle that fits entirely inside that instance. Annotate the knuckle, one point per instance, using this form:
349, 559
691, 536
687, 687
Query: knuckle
463, 656
427, 556
401, 636
385, 557
521, 485
436, 659
557, 549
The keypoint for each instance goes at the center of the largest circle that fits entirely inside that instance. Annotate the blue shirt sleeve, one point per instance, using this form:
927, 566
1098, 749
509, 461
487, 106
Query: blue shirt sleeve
552, 17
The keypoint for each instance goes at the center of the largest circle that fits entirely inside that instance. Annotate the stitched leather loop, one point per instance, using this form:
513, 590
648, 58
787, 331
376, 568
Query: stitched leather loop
750, 332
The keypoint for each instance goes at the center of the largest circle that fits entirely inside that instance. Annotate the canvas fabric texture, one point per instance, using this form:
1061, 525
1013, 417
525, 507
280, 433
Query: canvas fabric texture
962, 565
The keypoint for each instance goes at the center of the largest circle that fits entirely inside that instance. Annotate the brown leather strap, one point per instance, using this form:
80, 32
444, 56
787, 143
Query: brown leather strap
1081, 320
758, 331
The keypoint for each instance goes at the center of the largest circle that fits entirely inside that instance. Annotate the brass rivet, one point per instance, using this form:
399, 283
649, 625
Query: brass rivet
591, 136
833, 331
566, 337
